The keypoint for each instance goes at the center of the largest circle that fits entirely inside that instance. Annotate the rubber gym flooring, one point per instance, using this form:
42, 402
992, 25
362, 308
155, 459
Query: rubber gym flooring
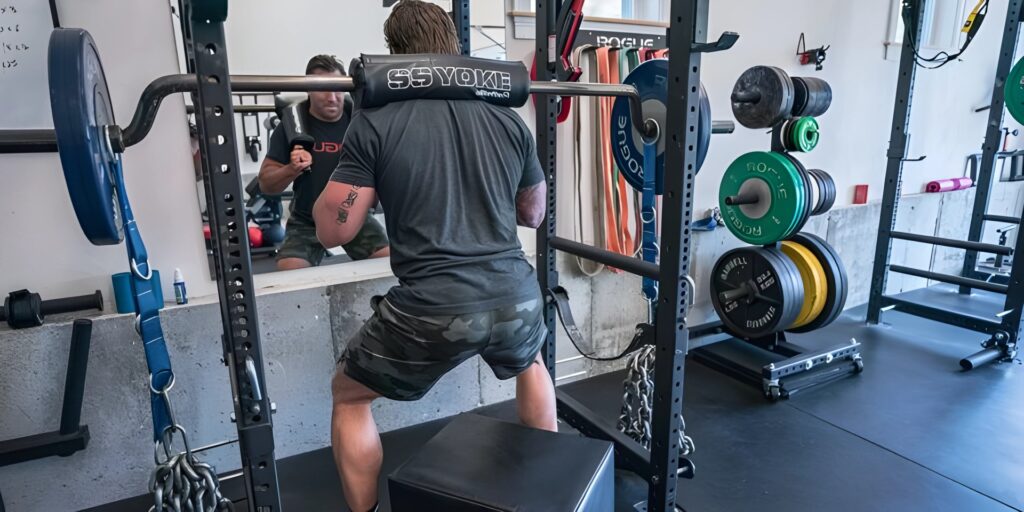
911, 433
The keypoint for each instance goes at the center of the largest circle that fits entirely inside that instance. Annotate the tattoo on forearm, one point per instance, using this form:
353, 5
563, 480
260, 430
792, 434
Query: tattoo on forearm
349, 202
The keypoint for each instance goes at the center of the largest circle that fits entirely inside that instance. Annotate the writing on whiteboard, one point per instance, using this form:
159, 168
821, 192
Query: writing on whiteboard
11, 44
25, 27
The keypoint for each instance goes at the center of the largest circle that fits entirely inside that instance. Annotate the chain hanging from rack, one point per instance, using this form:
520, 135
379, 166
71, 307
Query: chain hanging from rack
638, 402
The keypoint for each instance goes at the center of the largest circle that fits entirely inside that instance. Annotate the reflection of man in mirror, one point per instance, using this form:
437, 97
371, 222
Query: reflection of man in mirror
309, 171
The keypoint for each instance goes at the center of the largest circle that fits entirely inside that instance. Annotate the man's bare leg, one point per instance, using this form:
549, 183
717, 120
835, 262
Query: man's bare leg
355, 441
535, 397
292, 264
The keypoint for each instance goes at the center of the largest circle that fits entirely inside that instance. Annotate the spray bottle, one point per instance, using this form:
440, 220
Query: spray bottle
180, 295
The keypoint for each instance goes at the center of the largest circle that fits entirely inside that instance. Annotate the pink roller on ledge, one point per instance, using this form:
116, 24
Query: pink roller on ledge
949, 185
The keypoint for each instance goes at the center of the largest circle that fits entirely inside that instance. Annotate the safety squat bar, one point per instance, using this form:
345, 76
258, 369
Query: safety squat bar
154, 93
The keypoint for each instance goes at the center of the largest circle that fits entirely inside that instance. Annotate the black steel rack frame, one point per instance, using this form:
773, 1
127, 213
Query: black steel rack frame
663, 463
1005, 326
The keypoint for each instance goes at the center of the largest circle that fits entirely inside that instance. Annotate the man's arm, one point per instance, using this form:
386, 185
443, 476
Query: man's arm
530, 205
532, 194
275, 176
340, 211
282, 164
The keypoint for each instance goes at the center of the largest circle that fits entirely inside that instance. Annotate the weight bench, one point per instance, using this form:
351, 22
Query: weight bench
482, 464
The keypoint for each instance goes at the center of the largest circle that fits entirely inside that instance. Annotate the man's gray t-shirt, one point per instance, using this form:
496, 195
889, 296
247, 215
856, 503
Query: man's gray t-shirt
447, 174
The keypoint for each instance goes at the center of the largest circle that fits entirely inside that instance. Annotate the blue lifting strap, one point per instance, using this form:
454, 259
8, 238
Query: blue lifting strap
147, 307
649, 246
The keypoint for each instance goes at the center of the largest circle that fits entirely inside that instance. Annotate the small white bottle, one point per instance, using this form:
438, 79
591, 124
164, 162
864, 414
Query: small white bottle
180, 295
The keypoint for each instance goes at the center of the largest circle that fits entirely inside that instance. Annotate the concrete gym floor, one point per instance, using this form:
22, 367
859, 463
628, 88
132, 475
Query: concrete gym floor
911, 433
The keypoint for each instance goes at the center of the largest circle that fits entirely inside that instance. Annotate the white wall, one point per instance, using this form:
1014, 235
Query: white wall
855, 131
42, 247
487, 12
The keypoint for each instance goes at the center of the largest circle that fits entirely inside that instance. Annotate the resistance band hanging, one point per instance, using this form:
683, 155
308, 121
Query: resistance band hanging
589, 268
628, 247
611, 224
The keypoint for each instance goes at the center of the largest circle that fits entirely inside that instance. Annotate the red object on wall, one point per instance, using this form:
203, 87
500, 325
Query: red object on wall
860, 194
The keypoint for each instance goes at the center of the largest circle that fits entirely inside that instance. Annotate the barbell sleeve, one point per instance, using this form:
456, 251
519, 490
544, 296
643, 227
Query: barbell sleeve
734, 294
748, 198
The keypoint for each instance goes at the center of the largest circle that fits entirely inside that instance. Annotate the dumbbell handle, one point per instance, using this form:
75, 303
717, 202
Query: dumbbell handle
748, 198
66, 305
746, 97
69, 304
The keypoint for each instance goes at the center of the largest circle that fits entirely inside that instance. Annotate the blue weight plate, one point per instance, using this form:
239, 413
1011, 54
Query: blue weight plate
80, 103
651, 81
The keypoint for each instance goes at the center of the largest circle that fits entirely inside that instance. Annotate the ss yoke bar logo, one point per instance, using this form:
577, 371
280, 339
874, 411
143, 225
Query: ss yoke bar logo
486, 83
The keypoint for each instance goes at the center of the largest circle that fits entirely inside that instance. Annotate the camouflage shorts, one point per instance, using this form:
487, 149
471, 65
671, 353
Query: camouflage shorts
401, 356
300, 241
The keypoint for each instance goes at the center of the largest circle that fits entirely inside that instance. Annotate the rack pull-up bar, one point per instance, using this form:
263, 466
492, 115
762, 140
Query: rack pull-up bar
946, 278
948, 242
613, 259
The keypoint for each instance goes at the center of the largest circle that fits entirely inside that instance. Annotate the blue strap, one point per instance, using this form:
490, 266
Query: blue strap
147, 307
705, 224
649, 246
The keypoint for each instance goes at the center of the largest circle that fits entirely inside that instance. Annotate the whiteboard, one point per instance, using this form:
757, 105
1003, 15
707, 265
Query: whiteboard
25, 27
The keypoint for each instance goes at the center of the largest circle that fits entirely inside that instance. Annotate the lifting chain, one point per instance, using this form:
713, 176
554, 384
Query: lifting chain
180, 482
637, 402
